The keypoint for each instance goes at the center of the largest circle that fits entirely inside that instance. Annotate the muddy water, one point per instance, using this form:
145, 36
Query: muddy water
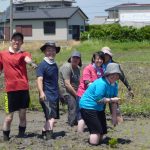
133, 134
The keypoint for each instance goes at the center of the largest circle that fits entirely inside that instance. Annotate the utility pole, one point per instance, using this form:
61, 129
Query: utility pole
11, 18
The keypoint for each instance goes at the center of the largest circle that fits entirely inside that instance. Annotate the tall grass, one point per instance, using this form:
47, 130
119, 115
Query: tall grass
134, 59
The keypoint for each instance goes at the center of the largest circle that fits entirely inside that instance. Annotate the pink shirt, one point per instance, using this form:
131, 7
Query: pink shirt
90, 74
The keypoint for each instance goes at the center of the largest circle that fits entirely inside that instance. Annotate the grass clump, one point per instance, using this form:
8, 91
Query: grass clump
113, 142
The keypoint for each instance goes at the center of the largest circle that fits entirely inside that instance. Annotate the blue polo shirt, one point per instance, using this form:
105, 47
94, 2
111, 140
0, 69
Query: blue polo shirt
49, 72
99, 89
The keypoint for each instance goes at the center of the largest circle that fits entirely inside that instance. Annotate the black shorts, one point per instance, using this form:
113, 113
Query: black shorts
95, 121
16, 100
51, 109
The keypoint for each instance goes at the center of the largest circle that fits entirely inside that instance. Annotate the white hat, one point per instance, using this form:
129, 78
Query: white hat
112, 68
107, 50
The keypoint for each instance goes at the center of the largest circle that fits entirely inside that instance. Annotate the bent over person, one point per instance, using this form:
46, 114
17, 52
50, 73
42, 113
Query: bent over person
47, 81
92, 103
13, 63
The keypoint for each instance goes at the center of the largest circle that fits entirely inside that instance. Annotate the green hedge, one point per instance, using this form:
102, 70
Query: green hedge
116, 32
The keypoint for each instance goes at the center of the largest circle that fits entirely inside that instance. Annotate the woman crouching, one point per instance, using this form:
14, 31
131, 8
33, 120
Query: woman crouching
92, 104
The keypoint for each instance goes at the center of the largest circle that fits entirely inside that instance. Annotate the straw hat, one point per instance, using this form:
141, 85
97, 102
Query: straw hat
107, 50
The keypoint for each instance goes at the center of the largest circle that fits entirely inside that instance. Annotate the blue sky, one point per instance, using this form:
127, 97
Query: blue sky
90, 7
97, 7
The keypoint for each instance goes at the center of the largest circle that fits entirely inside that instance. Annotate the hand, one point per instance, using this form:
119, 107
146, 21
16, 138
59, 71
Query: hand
114, 99
34, 66
42, 96
131, 94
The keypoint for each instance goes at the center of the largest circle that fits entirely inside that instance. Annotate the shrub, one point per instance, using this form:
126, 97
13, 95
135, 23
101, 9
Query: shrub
116, 32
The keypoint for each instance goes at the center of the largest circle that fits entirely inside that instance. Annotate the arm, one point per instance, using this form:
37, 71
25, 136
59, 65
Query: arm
109, 100
87, 75
70, 88
66, 73
40, 88
29, 61
102, 92
125, 82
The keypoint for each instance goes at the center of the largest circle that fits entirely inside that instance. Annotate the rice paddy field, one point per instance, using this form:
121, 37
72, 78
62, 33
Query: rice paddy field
133, 133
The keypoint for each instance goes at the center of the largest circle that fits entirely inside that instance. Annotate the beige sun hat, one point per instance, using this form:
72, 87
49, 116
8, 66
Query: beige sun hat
106, 50
112, 68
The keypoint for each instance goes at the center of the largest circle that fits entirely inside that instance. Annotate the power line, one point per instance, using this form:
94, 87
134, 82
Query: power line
11, 18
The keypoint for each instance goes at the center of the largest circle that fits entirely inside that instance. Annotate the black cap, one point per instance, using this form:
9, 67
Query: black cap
17, 34
76, 53
52, 44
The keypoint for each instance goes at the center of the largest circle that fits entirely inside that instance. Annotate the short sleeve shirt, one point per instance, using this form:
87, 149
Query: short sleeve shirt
49, 72
15, 72
99, 89
68, 73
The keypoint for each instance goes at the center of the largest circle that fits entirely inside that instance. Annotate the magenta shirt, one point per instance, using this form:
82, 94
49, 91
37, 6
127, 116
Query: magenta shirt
90, 74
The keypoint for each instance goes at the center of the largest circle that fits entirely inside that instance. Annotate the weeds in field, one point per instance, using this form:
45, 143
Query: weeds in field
133, 57
113, 142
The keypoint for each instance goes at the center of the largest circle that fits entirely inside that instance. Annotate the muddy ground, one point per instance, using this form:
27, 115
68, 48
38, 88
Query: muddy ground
133, 134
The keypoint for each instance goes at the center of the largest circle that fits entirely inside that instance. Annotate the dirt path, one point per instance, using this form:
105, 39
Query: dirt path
133, 134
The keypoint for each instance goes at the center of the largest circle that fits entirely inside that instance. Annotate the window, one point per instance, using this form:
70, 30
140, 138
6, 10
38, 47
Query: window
49, 27
26, 30
19, 8
31, 8
70, 29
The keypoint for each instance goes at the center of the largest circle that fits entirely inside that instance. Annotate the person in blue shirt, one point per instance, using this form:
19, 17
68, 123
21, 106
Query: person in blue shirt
47, 82
92, 103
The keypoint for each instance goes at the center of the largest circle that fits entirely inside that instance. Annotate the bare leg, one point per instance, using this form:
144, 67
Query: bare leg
7, 121
6, 126
95, 139
81, 125
22, 117
49, 124
22, 123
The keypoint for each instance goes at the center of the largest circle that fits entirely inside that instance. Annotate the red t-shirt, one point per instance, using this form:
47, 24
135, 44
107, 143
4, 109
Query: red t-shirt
14, 68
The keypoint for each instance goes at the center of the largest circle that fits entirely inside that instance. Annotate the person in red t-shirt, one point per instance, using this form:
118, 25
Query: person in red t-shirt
13, 63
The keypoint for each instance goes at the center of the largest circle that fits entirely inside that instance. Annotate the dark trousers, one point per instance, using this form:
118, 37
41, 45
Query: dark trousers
72, 109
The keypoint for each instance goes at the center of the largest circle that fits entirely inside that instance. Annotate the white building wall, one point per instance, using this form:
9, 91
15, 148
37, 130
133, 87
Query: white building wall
38, 32
137, 18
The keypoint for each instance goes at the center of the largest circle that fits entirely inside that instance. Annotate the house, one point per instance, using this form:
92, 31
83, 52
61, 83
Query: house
44, 20
130, 14
98, 20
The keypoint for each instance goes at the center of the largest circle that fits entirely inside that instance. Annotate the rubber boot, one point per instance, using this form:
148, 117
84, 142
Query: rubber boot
49, 134
6, 135
21, 133
44, 135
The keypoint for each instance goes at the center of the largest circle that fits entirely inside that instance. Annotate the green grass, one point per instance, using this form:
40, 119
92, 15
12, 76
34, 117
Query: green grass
134, 59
